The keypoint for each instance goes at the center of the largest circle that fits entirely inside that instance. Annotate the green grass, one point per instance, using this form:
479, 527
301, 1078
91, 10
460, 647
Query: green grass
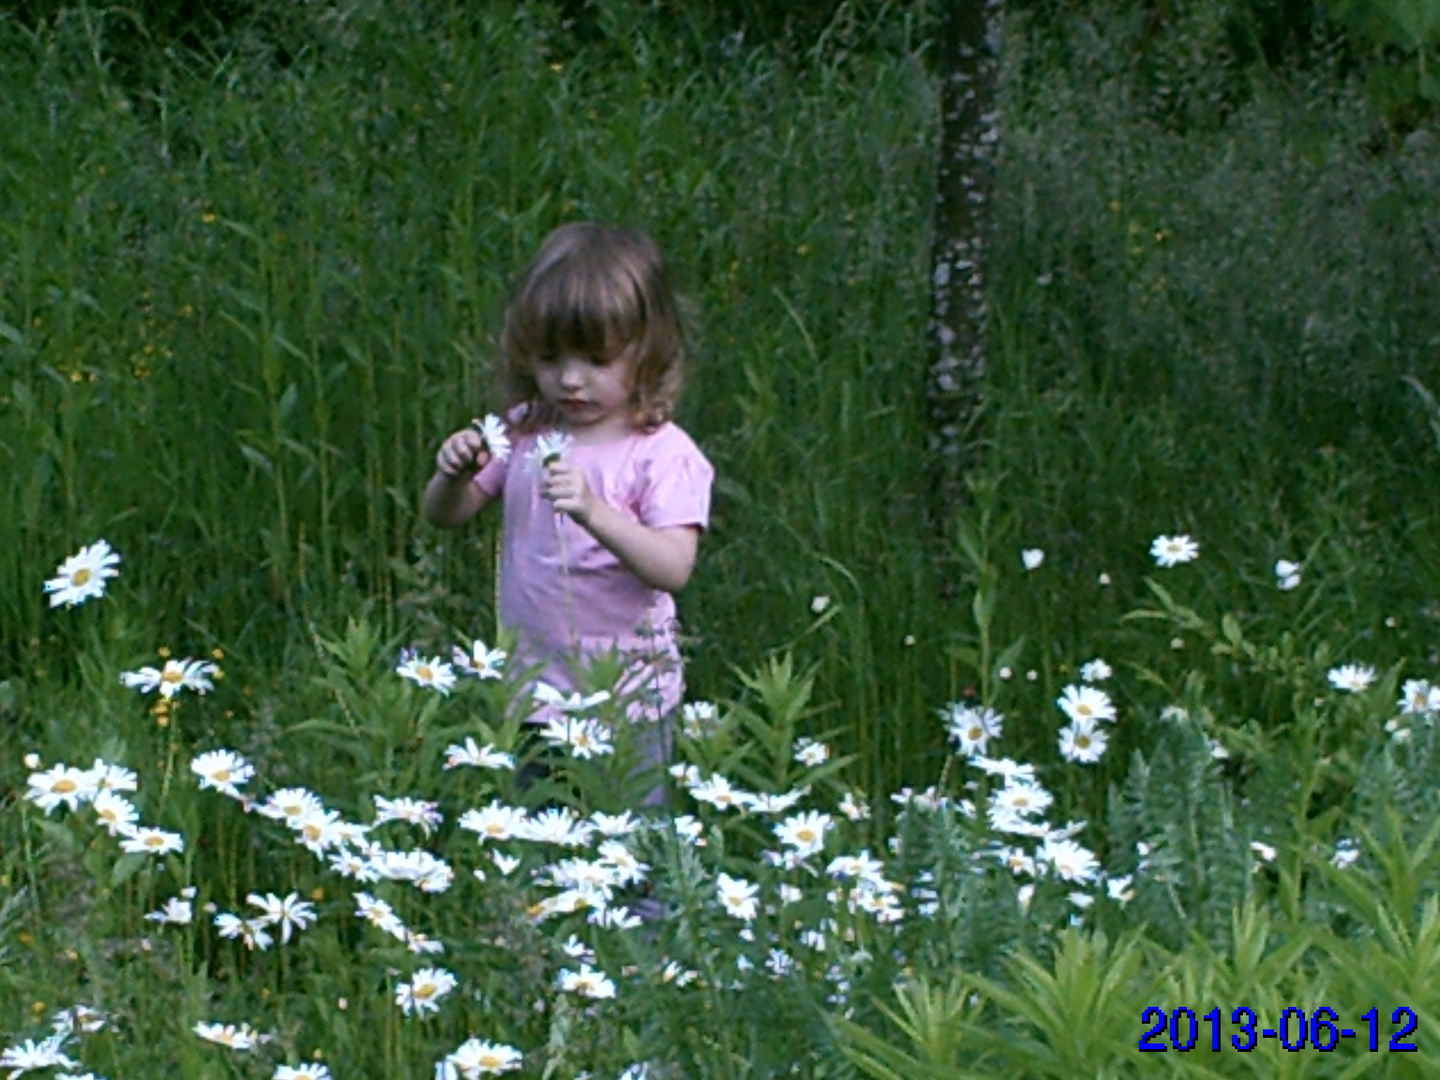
242, 301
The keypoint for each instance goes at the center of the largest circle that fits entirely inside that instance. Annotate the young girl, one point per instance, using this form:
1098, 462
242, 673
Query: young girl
594, 543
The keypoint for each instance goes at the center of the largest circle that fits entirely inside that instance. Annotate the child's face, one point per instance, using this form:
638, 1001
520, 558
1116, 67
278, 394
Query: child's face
593, 393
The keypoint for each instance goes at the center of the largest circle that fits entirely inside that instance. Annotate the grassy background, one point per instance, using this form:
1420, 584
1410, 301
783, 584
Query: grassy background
242, 300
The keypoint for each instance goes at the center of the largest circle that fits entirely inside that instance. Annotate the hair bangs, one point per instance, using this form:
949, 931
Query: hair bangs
570, 309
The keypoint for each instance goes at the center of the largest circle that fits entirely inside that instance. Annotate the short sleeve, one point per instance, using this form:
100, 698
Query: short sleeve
678, 478
491, 479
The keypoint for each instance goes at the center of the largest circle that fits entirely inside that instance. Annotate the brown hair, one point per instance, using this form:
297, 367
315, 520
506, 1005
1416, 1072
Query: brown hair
595, 290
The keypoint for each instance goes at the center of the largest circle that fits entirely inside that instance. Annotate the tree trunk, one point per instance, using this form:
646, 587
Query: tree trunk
968, 58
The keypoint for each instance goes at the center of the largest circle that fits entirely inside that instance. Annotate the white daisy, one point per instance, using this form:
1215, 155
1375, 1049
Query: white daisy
289, 913
83, 575
583, 737
478, 1057
804, 832
811, 752
174, 676
476, 756
718, 793
737, 897
61, 784
252, 933
971, 729
107, 776
1287, 574
117, 814
766, 803
148, 841
1082, 742
492, 430
423, 992
549, 448
1418, 698
433, 673
495, 822
1173, 550
421, 813
568, 703
1068, 860
1086, 703
1351, 677
1096, 670
222, 771
313, 1071
698, 719
481, 662
176, 911
587, 983
46, 1054
243, 1037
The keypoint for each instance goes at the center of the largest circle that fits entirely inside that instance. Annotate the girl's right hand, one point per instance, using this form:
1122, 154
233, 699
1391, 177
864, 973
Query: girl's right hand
462, 455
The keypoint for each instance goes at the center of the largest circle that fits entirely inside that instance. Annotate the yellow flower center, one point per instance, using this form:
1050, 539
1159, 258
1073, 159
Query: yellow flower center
1082, 742
425, 991
488, 1061
974, 733
805, 835
312, 832
81, 576
172, 675
64, 787
425, 672
155, 840
222, 776
1083, 710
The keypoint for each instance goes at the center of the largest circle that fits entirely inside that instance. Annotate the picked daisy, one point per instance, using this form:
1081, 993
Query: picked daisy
83, 575
492, 430
1174, 550
1351, 678
548, 449
433, 673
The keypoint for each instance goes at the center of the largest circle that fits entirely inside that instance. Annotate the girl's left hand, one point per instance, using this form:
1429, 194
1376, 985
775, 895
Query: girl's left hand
565, 487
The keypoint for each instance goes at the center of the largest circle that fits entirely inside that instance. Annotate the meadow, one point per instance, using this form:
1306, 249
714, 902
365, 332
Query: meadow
947, 805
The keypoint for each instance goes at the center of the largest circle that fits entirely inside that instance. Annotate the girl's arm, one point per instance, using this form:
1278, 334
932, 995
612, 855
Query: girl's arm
451, 498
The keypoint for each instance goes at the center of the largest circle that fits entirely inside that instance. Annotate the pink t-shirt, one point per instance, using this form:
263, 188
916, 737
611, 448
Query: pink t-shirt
567, 595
